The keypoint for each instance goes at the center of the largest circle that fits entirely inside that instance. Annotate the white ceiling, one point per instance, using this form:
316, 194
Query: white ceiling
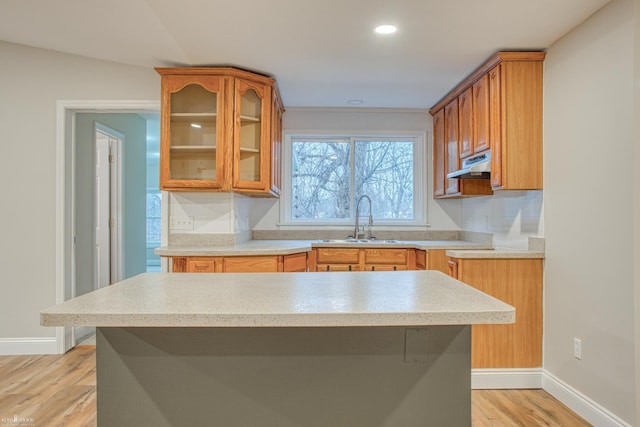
323, 52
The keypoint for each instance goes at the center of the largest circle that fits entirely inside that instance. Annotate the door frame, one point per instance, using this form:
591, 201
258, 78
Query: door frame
66, 111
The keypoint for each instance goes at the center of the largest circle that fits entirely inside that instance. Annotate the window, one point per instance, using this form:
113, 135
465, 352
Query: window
325, 176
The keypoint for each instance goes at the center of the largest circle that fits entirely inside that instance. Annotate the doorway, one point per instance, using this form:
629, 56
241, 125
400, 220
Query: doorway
77, 233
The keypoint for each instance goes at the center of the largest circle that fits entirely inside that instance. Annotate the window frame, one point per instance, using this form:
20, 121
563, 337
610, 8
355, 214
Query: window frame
419, 172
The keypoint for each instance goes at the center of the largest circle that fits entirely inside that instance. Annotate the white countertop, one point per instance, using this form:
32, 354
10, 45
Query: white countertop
252, 247
498, 253
408, 298
286, 247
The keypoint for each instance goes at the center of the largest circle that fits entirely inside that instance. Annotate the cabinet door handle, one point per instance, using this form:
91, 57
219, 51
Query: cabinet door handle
327, 268
395, 268
349, 268
373, 268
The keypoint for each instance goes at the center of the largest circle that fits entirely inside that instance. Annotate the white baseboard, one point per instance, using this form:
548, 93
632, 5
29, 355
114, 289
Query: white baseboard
506, 378
579, 403
37, 345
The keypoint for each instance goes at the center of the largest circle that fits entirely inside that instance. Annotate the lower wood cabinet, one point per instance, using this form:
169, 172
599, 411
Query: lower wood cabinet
421, 259
240, 264
362, 259
437, 260
295, 262
249, 264
432, 259
517, 282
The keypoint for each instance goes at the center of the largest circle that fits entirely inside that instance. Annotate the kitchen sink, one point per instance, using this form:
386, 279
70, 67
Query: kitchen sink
356, 241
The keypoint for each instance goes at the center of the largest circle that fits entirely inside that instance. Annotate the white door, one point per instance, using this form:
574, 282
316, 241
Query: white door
102, 261
107, 258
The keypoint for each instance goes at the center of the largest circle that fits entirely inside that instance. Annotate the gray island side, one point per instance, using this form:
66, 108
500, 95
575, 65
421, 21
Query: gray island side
283, 349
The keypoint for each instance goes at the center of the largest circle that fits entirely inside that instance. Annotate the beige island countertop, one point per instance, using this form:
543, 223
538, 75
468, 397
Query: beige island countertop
295, 343
409, 298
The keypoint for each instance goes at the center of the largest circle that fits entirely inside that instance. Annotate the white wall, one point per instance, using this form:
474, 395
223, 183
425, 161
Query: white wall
636, 198
589, 217
212, 213
32, 81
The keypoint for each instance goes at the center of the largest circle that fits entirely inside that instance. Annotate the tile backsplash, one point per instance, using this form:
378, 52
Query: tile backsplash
512, 216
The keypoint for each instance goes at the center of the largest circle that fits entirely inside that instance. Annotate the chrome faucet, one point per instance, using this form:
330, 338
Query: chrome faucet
356, 231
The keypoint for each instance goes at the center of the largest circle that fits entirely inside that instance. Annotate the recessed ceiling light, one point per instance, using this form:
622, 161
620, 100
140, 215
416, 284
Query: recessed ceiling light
386, 29
355, 101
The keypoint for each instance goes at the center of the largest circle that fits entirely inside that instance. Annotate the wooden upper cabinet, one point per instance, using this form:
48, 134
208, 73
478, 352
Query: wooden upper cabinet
252, 141
520, 126
217, 128
465, 123
480, 115
192, 125
446, 156
438, 153
451, 157
495, 125
506, 118
277, 110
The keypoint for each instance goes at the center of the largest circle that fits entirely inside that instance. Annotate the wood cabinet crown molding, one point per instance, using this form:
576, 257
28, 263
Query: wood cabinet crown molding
483, 69
216, 71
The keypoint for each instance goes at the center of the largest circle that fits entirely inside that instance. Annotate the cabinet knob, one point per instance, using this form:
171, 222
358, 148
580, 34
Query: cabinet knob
327, 268
349, 268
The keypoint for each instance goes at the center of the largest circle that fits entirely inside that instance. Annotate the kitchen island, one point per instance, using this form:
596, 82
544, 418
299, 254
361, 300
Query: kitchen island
283, 349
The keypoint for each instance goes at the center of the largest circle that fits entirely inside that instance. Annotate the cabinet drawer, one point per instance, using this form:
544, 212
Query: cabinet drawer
248, 264
201, 265
385, 256
337, 255
337, 267
295, 262
385, 267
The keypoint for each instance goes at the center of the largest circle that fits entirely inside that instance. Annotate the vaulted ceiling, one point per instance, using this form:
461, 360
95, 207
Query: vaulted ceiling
323, 53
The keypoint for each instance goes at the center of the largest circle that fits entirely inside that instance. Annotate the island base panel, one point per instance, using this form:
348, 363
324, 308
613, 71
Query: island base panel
284, 377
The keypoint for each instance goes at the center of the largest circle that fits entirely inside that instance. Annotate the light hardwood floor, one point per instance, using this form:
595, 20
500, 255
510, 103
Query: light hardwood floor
59, 390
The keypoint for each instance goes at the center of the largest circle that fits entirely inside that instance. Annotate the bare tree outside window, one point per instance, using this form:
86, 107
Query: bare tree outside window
384, 172
320, 180
322, 170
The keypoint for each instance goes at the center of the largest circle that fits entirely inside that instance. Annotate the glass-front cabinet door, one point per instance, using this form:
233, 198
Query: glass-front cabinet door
252, 139
192, 153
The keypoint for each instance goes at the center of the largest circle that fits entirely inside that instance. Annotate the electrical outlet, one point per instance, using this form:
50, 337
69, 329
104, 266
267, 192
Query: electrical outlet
577, 348
182, 223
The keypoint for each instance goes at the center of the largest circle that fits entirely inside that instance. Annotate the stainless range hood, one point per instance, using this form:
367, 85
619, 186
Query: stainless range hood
476, 167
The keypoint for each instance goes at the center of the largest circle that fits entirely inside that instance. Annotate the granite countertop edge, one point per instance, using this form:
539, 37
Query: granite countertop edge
286, 247
364, 299
498, 253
